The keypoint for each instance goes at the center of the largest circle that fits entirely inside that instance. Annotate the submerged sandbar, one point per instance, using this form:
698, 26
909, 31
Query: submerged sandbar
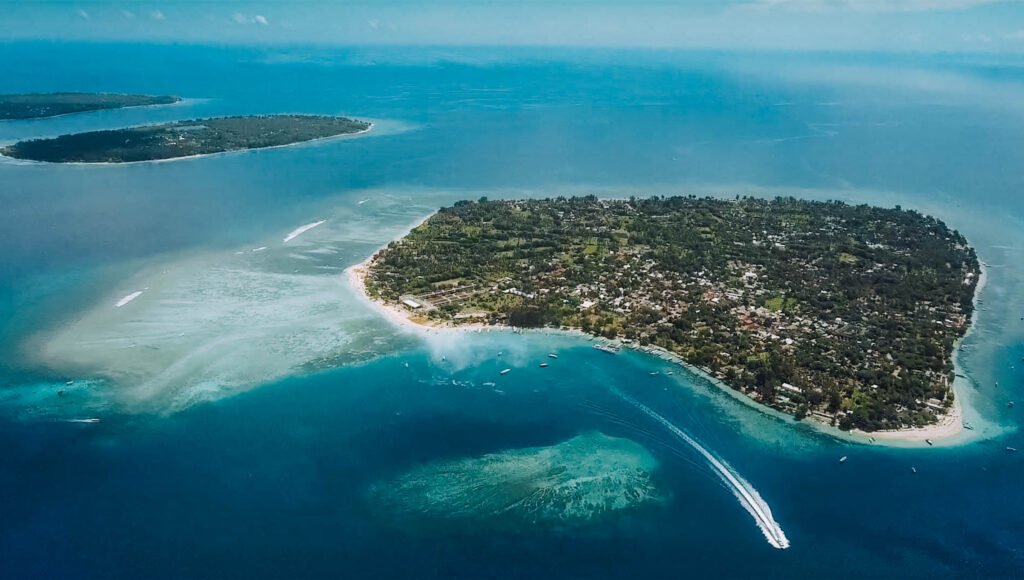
576, 482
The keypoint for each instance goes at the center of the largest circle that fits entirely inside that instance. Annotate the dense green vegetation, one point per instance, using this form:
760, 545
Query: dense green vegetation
847, 313
40, 105
183, 138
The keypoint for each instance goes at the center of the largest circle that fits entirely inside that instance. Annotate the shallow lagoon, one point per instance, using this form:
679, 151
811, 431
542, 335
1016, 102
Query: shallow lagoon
195, 471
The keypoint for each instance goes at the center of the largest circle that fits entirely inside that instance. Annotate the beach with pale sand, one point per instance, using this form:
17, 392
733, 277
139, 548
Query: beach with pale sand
401, 315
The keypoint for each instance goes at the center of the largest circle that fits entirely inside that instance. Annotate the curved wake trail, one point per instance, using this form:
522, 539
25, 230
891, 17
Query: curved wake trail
748, 496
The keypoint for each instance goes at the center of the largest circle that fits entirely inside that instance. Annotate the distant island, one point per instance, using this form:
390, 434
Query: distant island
44, 105
184, 139
845, 314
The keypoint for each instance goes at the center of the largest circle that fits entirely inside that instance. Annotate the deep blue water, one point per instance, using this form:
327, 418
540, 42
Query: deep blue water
273, 481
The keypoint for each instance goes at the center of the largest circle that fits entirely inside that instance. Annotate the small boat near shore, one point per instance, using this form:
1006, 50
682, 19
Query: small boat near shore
83, 420
929, 442
968, 426
1011, 449
552, 356
842, 459
542, 365
506, 371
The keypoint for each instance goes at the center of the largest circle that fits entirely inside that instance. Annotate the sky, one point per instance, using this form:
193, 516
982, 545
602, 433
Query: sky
958, 26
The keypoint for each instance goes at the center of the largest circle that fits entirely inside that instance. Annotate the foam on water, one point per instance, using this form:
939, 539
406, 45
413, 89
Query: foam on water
300, 230
128, 299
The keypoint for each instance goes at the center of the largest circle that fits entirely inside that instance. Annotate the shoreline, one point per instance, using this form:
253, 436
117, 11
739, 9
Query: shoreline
948, 426
399, 316
179, 101
15, 160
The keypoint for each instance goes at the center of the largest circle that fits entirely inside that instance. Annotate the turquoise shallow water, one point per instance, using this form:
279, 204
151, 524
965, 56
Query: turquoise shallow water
194, 471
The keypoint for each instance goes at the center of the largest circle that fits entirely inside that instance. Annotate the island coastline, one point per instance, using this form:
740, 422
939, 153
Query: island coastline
127, 101
317, 140
948, 427
18, 161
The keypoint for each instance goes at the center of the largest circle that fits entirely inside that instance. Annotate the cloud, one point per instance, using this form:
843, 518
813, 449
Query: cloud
128, 14
967, 37
156, 15
243, 19
869, 5
1017, 35
82, 13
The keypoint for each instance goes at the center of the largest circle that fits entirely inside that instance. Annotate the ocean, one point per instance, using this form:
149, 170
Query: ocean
250, 402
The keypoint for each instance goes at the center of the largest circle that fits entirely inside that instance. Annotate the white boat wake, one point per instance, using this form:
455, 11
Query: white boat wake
299, 230
744, 492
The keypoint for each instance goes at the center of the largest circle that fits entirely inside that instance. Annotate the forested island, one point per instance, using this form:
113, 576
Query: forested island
184, 138
847, 314
44, 105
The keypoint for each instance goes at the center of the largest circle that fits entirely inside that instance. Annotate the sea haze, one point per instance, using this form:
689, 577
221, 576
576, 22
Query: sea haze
250, 401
